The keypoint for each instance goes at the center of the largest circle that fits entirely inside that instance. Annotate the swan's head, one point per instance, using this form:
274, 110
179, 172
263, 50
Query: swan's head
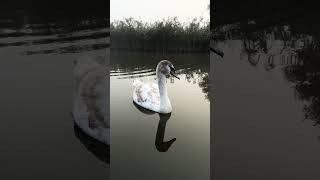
166, 68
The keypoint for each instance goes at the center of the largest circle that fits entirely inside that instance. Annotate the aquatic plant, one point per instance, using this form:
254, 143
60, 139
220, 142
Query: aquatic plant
168, 35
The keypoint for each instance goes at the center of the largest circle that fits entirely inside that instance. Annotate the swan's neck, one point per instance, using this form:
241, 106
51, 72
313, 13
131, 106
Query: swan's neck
165, 105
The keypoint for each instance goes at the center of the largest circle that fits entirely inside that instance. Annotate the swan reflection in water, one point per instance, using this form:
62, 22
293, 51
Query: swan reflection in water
161, 145
100, 150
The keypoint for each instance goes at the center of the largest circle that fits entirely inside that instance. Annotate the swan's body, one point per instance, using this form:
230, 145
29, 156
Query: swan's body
90, 110
148, 96
154, 96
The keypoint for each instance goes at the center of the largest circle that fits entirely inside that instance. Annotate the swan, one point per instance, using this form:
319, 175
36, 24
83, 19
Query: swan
90, 106
154, 96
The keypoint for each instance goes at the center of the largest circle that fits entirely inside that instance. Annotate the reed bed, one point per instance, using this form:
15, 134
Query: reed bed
168, 35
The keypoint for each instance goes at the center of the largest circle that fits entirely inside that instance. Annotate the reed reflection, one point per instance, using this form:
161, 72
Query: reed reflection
306, 79
284, 47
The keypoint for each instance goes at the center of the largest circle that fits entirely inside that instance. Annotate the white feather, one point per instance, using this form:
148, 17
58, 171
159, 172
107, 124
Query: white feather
146, 95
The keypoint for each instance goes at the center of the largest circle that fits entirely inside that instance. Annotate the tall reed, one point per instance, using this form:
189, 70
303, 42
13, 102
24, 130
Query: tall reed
168, 35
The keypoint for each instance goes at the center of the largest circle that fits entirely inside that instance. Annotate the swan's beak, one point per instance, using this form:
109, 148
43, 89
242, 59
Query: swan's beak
172, 72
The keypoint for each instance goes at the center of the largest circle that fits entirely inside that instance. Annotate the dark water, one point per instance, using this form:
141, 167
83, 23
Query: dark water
266, 107
38, 137
148, 146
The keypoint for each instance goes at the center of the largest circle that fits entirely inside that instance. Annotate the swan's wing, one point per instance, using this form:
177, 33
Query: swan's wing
146, 95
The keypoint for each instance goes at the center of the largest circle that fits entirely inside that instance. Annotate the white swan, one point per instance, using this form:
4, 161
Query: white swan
154, 96
90, 107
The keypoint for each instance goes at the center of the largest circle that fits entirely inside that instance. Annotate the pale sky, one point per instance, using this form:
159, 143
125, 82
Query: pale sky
151, 10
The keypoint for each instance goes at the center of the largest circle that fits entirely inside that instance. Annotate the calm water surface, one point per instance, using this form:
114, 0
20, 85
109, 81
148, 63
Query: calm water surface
266, 110
148, 146
39, 140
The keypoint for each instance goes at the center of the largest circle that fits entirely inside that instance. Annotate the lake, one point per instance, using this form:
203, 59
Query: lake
148, 146
266, 111
38, 135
